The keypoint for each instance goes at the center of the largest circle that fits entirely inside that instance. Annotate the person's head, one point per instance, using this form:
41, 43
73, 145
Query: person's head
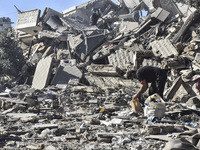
131, 74
98, 11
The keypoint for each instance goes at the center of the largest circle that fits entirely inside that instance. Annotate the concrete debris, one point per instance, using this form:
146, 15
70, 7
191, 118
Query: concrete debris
74, 92
42, 73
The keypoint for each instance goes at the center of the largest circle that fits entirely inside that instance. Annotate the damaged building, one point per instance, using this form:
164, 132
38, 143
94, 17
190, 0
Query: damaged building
77, 95
5, 22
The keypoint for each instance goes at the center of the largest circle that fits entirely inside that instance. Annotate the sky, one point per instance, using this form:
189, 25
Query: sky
7, 8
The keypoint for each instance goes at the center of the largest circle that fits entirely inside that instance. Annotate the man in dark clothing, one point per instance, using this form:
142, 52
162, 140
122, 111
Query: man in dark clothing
94, 17
149, 74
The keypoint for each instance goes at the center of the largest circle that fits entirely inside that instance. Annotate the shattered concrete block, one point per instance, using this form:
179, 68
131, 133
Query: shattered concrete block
102, 53
48, 12
55, 24
153, 130
105, 140
66, 72
44, 126
149, 4
88, 89
21, 115
74, 41
48, 34
104, 70
83, 12
194, 102
111, 107
126, 16
138, 58
27, 22
176, 63
163, 48
197, 58
91, 41
131, 4
160, 14
170, 6
31, 147
42, 73
127, 26
180, 143
183, 98
108, 82
150, 62
129, 43
113, 134
144, 27
189, 48
185, 26
185, 9
121, 58
186, 75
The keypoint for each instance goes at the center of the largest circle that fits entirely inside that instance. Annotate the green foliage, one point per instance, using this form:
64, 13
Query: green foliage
11, 56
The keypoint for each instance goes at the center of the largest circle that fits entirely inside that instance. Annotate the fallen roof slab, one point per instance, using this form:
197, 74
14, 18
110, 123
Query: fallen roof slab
42, 73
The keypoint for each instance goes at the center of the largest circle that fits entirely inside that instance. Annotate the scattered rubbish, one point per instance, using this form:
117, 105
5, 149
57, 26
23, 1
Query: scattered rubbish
154, 106
190, 124
136, 105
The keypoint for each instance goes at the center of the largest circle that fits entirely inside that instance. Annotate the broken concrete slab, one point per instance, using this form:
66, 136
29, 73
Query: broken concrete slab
21, 115
28, 22
87, 89
194, 102
185, 26
140, 58
87, 45
55, 24
65, 72
170, 6
160, 14
108, 82
180, 143
196, 62
48, 12
104, 70
186, 10
83, 12
150, 62
44, 126
49, 34
42, 73
179, 62
123, 58
131, 4
163, 48
126, 26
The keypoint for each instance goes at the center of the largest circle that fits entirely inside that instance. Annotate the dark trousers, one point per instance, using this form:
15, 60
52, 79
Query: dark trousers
159, 84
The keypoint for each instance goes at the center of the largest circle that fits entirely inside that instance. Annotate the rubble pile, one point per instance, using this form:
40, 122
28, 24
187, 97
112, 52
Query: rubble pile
73, 92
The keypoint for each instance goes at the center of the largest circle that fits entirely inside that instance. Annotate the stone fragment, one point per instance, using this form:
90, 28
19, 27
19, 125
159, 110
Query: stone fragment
42, 74
194, 102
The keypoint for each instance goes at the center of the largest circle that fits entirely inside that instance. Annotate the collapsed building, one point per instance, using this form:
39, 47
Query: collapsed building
77, 97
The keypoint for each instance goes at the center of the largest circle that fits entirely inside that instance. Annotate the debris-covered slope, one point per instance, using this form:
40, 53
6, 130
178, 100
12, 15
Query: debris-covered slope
73, 92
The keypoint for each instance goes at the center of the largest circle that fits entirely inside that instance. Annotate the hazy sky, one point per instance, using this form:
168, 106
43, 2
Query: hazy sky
7, 8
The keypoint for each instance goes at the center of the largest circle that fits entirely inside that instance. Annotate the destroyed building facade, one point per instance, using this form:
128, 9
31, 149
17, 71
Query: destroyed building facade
5, 22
